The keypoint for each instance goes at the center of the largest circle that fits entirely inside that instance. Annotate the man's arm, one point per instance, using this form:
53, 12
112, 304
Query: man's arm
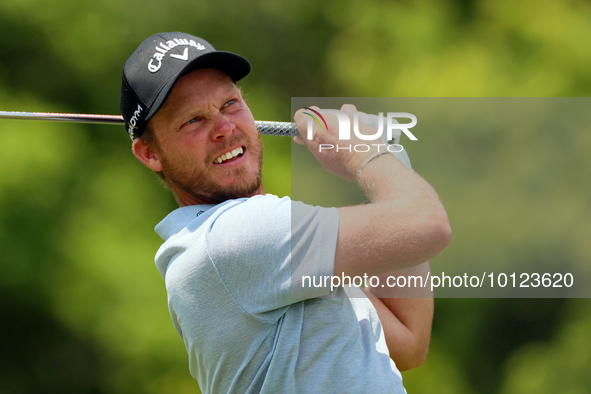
404, 225
406, 316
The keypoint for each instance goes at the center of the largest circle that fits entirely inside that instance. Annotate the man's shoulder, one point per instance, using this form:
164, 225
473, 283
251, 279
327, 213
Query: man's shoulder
244, 213
194, 216
254, 220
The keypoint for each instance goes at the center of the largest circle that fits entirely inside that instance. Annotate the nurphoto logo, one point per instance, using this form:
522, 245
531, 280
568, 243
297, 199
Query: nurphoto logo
393, 128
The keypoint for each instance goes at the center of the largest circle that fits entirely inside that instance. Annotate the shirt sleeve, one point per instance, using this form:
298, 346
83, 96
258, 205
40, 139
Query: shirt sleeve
262, 247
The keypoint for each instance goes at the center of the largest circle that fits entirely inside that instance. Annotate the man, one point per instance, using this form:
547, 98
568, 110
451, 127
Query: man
233, 256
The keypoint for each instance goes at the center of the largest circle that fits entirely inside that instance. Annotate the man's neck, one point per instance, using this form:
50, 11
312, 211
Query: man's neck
184, 199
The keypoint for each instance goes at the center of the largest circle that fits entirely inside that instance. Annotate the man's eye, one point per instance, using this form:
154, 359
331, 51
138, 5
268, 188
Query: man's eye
229, 103
192, 121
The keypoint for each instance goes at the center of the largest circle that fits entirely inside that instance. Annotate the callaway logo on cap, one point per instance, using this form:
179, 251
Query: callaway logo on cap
152, 70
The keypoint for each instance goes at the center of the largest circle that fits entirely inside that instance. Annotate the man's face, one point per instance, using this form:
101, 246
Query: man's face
201, 123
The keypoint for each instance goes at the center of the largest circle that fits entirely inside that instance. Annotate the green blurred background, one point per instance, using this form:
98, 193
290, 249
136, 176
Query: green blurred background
83, 308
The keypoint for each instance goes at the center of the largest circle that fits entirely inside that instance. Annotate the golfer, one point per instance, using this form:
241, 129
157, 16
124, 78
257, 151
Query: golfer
233, 257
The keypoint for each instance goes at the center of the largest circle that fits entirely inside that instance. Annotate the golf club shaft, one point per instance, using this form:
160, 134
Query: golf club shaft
285, 129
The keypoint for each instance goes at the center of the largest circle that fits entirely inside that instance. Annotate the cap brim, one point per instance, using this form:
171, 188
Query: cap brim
232, 64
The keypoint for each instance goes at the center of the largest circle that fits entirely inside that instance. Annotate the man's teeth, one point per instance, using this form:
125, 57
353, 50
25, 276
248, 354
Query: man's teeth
229, 155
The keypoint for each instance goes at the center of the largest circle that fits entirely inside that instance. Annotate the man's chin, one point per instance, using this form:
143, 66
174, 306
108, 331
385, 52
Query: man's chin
238, 191
216, 187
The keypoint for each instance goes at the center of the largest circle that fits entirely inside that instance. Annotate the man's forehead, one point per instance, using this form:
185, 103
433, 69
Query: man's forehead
197, 90
203, 82
202, 85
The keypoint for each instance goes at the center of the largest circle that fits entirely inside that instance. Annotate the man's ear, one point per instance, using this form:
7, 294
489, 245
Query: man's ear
146, 155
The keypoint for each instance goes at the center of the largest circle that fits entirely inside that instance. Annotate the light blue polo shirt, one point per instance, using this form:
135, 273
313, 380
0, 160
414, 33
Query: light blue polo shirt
230, 280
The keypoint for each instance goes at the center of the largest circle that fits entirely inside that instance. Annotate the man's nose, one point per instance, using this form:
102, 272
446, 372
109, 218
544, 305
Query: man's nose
223, 128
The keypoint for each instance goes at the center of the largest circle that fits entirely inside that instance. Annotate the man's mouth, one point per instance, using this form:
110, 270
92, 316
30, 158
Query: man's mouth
237, 152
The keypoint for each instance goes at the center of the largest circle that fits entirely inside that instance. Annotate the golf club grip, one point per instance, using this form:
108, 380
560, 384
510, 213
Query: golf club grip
284, 129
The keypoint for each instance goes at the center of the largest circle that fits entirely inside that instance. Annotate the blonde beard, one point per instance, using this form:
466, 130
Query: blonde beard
202, 186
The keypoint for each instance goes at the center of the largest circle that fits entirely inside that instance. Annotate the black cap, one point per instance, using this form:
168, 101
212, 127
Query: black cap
157, 64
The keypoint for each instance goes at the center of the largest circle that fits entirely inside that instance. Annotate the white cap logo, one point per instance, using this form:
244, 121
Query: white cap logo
163, 49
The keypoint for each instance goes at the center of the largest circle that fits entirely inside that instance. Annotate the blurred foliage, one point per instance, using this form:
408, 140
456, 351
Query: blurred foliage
83, 307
